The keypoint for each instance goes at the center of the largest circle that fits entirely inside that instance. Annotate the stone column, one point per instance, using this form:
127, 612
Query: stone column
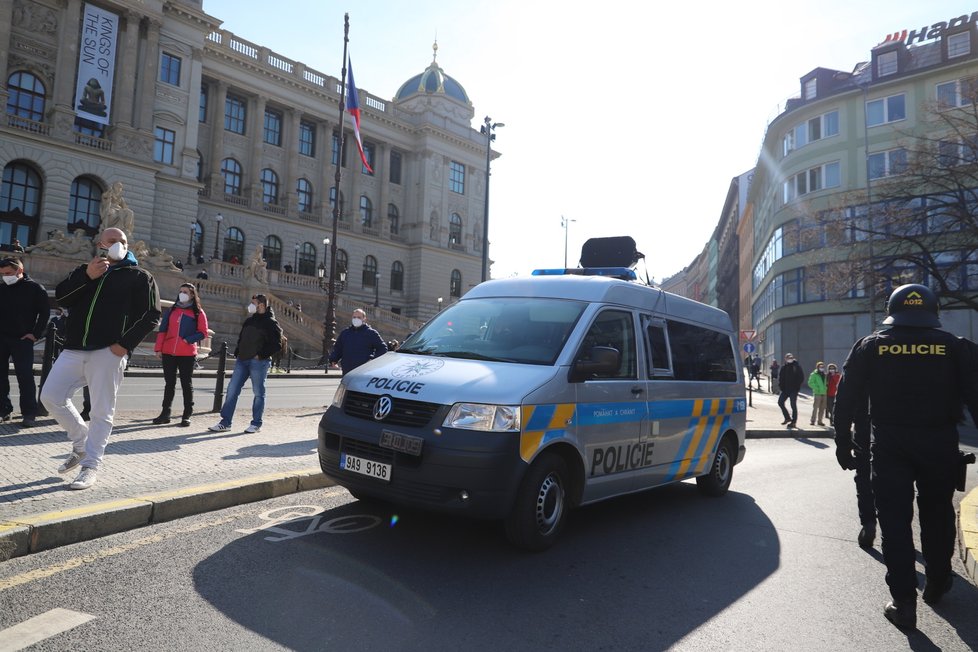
146, 87
190, 156
381, 163
219, 97
6, 15
256, 129
125, 84
290, 145
67, 63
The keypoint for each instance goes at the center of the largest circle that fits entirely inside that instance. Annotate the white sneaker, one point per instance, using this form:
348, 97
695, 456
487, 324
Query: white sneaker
84, 480
252, 428
219, 427
71, 462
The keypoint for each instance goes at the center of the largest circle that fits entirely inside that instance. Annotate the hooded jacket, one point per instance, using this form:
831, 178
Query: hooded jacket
180, 331
355, 346
25, 307
120, 307
270, 330
790, 377
816, 380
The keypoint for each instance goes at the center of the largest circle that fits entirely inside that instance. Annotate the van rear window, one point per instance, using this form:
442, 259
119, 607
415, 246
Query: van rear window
700, 353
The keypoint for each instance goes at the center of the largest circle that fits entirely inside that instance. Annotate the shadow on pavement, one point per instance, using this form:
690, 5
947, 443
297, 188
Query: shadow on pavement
290, 449
639, 572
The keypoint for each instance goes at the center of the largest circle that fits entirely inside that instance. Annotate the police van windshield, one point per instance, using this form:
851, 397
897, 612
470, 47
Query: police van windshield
527, 331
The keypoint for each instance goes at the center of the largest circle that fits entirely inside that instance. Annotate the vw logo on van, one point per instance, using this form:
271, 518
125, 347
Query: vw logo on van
382, 408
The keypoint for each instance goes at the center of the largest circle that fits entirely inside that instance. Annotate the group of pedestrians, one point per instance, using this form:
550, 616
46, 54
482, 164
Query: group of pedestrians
823, 382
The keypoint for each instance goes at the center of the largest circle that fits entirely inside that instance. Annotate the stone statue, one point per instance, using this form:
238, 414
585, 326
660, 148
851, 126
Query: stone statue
114, 212
255, 270
67, 246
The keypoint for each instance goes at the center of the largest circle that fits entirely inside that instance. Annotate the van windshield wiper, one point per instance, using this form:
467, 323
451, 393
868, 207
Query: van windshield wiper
469, 355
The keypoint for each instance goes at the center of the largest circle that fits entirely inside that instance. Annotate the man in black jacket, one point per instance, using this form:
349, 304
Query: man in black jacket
914, 378
112, 305
357, 343
790, 378
25, 306
259, 340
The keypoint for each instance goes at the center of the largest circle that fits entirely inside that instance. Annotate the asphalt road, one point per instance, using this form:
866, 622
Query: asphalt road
281, 391
773, 565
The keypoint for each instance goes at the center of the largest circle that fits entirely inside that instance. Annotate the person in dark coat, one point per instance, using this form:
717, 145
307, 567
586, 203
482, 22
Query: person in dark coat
790, 378
356, 344
914, 378
25, 306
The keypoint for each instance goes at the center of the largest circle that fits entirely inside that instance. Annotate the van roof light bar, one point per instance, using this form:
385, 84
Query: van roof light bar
622, 273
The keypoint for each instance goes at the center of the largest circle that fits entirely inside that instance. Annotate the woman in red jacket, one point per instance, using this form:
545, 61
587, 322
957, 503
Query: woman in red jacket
832, 381
181, 328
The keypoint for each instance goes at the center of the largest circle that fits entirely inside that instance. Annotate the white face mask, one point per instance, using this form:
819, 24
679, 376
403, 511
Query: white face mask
118, 251
252, 308
357, 322
10, 280
821, 368
183, 297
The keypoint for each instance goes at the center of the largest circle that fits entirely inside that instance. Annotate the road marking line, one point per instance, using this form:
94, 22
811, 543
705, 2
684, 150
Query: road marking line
41, 573
39, 628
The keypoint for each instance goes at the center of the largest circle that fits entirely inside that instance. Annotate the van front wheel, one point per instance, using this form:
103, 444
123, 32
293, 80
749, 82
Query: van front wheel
717, 481
540, 508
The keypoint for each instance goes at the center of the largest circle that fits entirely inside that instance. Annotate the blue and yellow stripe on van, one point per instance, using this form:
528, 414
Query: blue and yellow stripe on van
710, 418
541, 423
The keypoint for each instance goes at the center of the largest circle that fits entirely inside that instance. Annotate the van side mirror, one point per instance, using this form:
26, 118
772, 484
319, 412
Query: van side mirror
603, 360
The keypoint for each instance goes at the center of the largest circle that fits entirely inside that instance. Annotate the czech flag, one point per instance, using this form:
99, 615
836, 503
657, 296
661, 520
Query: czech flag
353, 108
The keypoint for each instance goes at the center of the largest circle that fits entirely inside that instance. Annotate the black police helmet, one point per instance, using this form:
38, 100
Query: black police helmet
912, 305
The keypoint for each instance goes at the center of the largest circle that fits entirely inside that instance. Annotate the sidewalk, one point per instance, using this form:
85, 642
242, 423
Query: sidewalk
153, 474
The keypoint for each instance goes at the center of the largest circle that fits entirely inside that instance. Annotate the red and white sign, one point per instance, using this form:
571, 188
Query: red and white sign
748, 335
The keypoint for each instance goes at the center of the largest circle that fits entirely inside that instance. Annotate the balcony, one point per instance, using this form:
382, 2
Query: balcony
30, 126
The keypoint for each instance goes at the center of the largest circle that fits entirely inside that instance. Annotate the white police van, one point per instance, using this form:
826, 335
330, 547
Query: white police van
530, 396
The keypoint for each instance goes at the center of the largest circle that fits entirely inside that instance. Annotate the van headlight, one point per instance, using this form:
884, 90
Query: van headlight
338, 396
489, 418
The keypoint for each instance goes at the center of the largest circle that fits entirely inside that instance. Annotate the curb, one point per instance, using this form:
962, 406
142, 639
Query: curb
22, 536
968, 518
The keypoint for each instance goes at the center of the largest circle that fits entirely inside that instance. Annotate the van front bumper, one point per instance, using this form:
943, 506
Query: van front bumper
466, 472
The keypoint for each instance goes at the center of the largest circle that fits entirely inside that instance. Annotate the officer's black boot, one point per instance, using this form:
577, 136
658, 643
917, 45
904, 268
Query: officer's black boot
935, 589
867, 535
163, 418
902, 613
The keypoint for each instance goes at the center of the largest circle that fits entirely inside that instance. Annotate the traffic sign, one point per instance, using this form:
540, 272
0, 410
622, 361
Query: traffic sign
749, 348
748, 335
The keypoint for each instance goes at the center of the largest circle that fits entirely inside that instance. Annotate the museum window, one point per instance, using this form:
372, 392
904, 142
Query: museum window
231, 171
272, 251
163, 145
307, 138
393, 219
307, 259
394, 175
455, 229
170, 69
332, 204
369, 152
335, 150
273, 127
366, 212
303, 193
197, 243
84, 206
342, 263
397, 276
234, 243
25, 96
455, 284
269, 186
369, 272
235, 114
202, 110
456, 177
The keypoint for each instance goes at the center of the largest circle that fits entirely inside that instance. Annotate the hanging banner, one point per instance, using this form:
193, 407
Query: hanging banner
96, 64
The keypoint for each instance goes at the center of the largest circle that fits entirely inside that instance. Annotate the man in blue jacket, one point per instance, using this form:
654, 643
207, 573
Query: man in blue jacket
356, 344
112, 305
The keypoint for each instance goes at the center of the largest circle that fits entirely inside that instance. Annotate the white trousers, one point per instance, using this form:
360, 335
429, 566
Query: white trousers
102, 370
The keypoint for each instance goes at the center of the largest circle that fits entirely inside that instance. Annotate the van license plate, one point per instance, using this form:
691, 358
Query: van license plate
359, 465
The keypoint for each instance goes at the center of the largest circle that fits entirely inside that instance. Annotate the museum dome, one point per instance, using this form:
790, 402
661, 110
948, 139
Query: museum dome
433, 81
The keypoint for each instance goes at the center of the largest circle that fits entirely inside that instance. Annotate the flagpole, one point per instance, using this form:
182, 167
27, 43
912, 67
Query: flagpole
329, 322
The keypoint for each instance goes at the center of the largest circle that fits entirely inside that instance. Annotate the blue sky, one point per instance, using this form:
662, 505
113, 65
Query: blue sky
629, 118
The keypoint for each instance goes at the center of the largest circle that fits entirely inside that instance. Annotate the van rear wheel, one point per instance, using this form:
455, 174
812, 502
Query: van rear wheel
539, 512
717, 481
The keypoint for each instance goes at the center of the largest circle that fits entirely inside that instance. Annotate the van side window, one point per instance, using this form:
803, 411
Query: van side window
658, 351
700, 353
613, 328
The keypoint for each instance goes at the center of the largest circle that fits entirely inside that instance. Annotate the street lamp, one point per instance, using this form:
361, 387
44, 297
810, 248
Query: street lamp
486, 130
217, 232
439, 303
565, 223
376, 289
295, 263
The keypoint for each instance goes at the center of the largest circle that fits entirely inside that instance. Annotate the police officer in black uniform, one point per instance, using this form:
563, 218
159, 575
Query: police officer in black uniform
914, 378
854, 454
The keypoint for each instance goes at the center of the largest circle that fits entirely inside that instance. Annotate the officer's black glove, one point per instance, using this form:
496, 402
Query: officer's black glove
843, 452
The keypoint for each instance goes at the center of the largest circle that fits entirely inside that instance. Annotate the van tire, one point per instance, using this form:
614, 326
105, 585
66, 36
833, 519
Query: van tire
540, 509
717, 481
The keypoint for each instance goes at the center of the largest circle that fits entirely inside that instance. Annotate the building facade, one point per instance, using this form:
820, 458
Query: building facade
842, 202
225, 148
